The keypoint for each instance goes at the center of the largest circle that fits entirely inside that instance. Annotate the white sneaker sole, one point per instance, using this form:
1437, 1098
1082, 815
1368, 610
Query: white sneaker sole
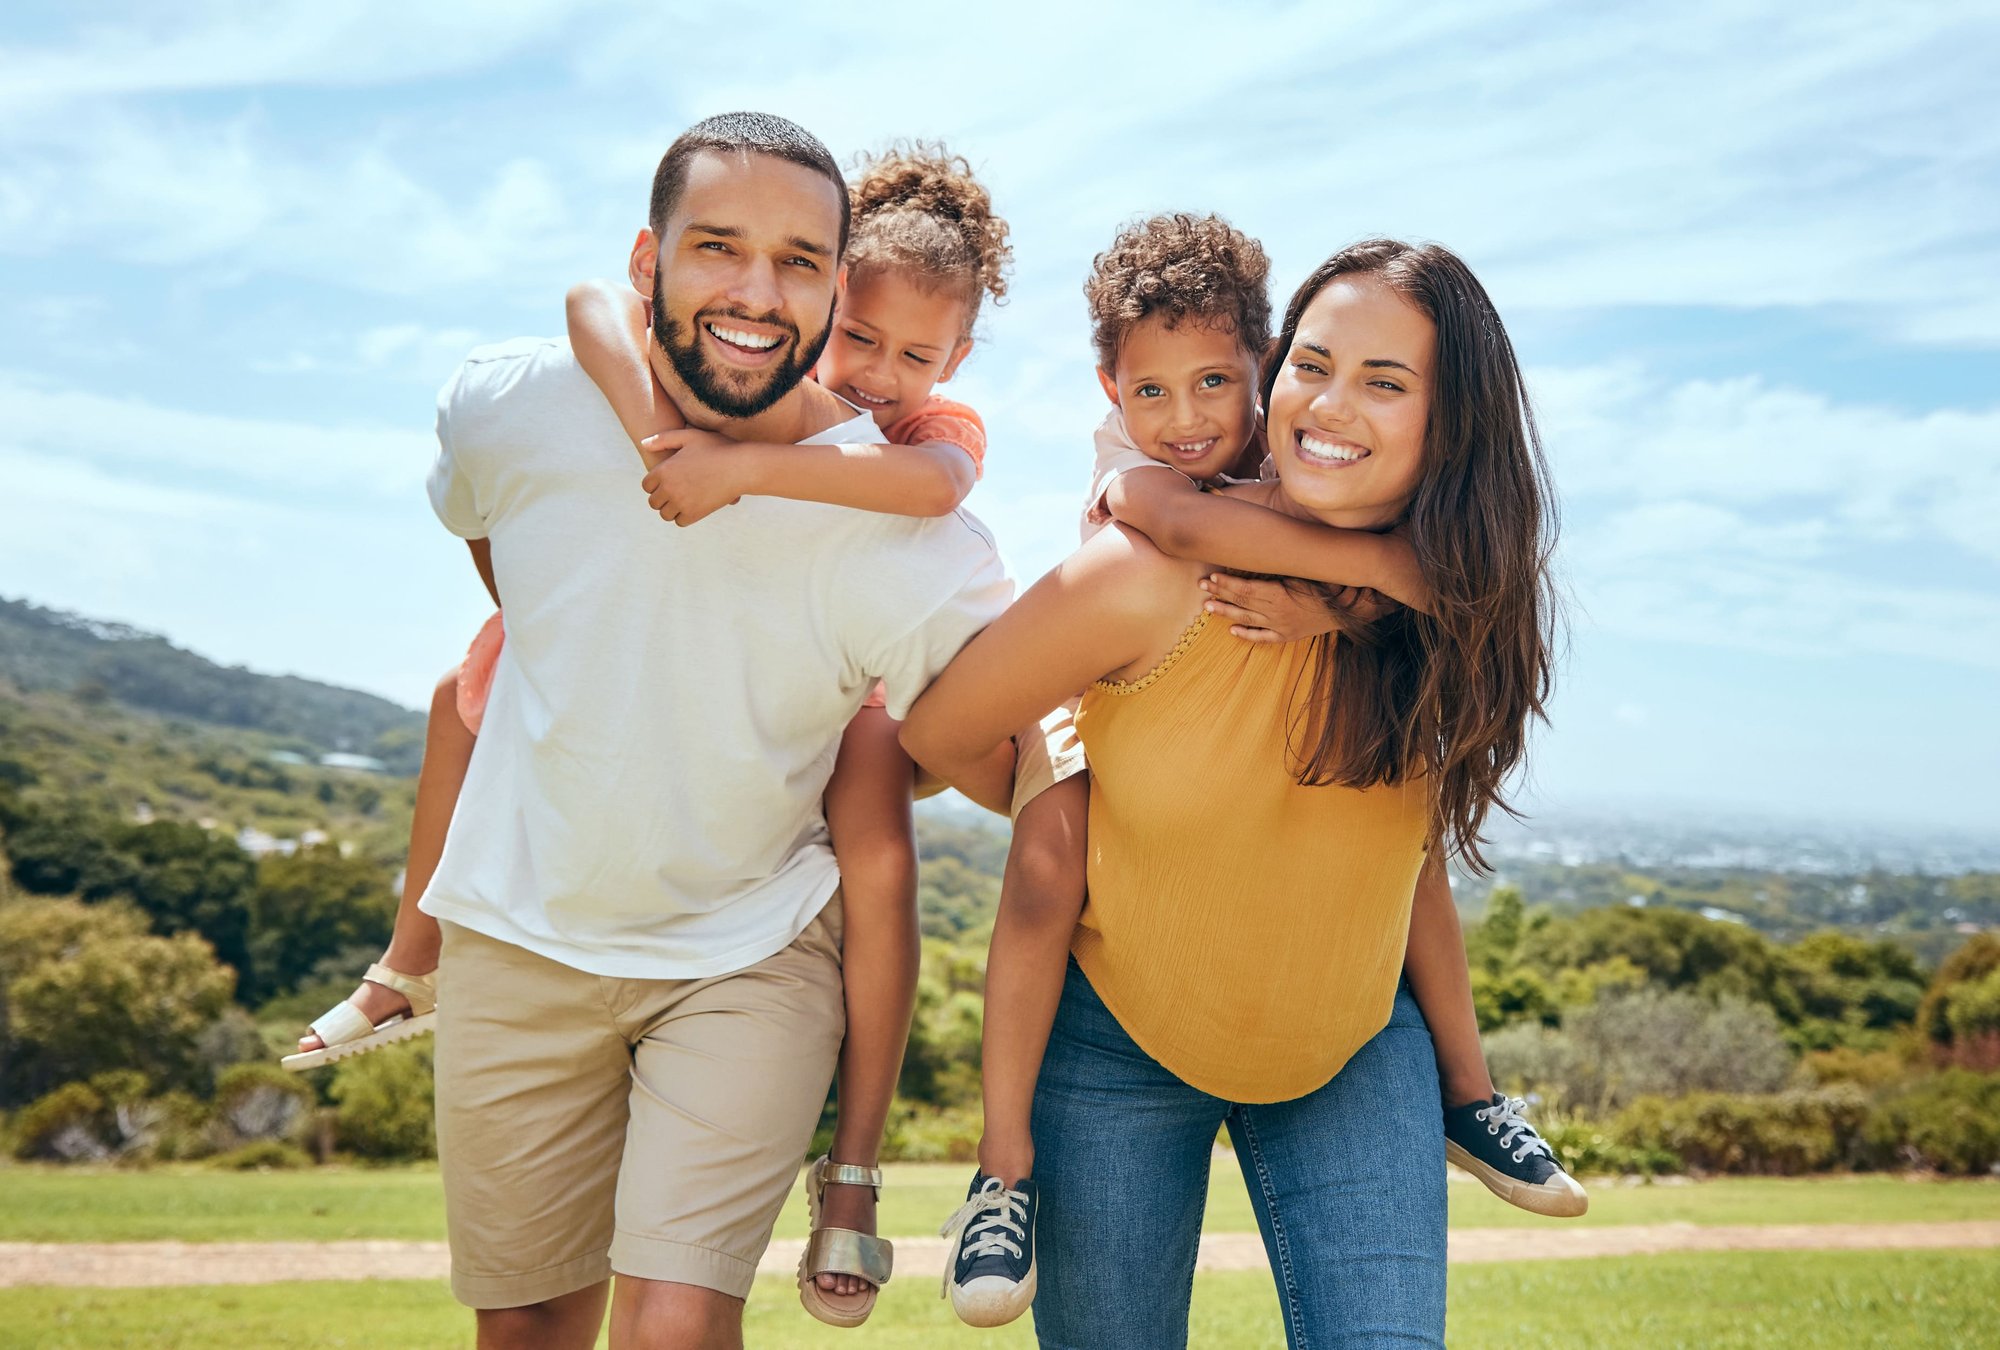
1559, 1198
389, 1033
992, 1302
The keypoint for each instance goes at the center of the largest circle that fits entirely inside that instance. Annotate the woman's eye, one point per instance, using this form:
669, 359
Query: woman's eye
1307, 366
1387, 384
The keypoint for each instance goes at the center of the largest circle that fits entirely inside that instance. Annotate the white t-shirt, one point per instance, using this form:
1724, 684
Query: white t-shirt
644, 800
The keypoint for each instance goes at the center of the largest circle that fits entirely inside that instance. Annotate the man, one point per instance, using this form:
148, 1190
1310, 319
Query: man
640, 908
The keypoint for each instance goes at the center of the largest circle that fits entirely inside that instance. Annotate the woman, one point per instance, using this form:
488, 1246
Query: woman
1258, 818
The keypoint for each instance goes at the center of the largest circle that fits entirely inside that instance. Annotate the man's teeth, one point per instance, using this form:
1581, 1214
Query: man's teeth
754, 341
1313, 445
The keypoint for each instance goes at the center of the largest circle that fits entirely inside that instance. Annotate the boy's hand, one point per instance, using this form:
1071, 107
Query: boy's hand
697, 474
1270, 611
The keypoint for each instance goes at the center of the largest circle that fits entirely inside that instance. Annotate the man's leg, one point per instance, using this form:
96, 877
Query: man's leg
728, 1076
532, 1082
568, 1320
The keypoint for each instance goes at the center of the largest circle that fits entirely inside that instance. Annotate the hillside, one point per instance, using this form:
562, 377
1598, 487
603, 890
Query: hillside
46, 650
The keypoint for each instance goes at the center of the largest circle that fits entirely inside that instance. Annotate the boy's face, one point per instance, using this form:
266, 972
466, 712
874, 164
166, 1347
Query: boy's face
892, 341
1189, 394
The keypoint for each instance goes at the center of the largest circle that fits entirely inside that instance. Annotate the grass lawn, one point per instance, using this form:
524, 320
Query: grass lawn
48, 1204
1765, 1299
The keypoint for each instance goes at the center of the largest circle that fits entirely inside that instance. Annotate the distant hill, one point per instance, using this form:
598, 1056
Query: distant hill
46, 650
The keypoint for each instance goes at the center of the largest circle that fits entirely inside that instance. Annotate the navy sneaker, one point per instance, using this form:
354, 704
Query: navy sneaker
991, 1273
1496, 1144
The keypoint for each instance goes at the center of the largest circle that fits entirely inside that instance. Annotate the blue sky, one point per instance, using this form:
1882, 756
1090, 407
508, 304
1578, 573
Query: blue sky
1749, 255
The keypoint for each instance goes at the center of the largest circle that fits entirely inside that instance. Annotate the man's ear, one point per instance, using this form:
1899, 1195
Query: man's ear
645, 262
1110, 388
958, 353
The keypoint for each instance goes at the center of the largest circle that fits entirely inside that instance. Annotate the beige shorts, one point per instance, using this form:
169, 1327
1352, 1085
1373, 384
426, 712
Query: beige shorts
653, 1128
1045, 754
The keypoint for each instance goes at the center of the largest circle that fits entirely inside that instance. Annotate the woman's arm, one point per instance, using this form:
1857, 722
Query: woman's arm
608, 331
1188, 523
698, 473
1108, 605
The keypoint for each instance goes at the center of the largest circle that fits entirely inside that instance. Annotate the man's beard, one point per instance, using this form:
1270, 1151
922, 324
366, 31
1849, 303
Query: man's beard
710, 386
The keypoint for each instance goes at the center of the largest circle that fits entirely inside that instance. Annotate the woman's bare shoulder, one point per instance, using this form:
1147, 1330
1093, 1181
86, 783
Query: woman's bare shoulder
1127, 575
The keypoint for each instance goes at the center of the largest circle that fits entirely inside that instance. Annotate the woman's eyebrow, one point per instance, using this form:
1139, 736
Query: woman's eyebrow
1384, 363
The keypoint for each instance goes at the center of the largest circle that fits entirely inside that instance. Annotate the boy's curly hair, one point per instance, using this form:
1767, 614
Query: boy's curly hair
1185, 267
918, 208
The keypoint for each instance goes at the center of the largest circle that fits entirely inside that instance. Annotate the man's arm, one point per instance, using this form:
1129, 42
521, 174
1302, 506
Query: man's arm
1185, 522
482, 561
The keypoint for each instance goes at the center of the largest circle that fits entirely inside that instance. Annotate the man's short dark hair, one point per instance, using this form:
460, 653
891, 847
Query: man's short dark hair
753, 132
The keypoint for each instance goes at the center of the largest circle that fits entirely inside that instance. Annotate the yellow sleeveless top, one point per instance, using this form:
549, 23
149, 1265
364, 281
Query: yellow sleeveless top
1246, 931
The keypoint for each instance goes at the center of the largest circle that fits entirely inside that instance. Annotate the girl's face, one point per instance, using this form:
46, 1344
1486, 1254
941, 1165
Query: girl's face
1351, 402
1189, 394
892, 341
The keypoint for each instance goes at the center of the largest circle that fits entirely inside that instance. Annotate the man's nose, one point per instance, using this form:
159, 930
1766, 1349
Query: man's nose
754, 287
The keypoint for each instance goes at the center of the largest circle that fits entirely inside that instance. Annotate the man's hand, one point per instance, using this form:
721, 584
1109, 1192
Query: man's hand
699, 474
1270, 611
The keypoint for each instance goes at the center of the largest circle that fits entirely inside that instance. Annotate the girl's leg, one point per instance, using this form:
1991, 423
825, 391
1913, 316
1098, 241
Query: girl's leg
1435, 967
1348, 1185
1123, 1151
868, 813
413, 945
1041, 895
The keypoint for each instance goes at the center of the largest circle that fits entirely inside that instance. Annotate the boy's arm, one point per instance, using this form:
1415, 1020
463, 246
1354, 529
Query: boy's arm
1188, 523
704, 472
608, 330
482, 561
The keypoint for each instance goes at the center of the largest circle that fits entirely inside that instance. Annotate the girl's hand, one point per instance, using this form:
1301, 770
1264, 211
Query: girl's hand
700, 474
1270, 611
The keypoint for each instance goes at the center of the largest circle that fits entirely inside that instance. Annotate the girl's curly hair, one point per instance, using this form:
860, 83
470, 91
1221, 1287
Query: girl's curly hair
918, 208
1184, 267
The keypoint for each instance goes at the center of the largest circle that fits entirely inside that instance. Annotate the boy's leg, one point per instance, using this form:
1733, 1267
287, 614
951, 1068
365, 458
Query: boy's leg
414, 943
1041, 895
1438, 977
868, 813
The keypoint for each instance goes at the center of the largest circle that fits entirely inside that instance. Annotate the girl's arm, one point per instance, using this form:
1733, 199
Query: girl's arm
1185, 522
1097, 612
608, 330
703, 472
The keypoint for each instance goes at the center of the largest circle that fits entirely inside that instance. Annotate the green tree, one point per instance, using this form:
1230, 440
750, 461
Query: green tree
1953, 1017
309, 906
88, 990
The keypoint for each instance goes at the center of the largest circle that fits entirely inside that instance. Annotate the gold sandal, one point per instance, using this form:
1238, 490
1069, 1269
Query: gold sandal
841, 1251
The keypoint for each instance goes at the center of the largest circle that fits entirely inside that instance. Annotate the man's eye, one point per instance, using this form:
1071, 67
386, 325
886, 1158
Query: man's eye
806, 263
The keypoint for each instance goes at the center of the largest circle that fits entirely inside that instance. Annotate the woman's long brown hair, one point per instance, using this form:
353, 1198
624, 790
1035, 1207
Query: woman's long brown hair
1448, 696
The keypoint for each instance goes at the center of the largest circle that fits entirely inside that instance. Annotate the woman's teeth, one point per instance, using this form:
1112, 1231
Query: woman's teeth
1328, 451
737, 337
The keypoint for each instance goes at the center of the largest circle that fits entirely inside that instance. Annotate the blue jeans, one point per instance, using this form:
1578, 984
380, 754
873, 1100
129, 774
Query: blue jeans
1348, 1184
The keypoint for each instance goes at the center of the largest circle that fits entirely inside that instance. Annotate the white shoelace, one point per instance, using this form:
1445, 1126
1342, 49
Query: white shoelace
1003, 1229
1506, 1114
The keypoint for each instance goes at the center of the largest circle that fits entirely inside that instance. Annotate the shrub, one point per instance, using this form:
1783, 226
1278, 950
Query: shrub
1586, 1149
256, 1102
1782, 1134
1949, 1122
263, 1155
383, 1102
66, 1125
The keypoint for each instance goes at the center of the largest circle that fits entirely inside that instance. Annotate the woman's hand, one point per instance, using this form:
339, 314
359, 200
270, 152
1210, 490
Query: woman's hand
1271, 611
701, 474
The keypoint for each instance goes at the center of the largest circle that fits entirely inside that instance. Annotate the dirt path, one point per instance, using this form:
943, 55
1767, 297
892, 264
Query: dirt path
133, 1264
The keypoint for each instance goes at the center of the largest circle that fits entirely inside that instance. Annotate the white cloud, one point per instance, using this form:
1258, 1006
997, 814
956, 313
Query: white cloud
149, 448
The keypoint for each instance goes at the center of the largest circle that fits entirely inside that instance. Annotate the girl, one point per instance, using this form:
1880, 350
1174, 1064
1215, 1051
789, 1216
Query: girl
1258, 817
925, 248
1179, 310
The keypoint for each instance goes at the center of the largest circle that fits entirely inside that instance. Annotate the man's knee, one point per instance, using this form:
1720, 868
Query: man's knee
662, 1315
568, 1320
